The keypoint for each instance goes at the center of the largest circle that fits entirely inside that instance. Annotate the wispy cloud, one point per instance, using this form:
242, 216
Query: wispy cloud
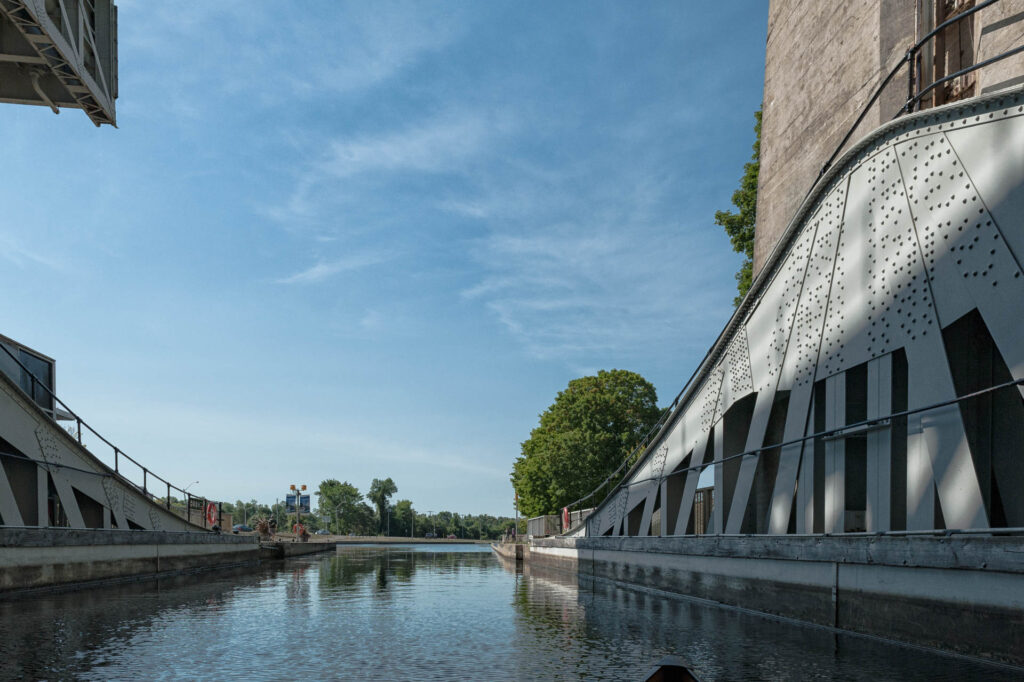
352, 168
438, 145
18, 254
325, 269
588, 269
345, 47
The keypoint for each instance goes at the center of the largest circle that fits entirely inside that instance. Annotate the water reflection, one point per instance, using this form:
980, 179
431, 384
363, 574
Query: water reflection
65, 635
420, 613
582, 615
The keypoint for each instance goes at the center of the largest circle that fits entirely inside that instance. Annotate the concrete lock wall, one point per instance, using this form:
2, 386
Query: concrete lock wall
32, 558
961, 594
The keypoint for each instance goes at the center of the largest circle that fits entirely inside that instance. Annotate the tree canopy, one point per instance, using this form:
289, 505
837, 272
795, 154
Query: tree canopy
342, 509
582, 437
740, 226
343, 504
380, 492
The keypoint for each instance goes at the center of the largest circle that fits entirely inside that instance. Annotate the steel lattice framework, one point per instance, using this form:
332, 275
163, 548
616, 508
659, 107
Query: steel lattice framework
60, 53
871, 381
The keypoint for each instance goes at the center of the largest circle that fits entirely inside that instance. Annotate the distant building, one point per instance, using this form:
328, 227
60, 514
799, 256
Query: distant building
35, 374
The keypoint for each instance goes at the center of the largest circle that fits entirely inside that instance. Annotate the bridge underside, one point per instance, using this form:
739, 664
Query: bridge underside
837, 400
60, 53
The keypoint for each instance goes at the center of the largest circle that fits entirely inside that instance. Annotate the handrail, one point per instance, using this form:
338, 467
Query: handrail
118, 453
914, 96
910, 58
964, 71
838, 432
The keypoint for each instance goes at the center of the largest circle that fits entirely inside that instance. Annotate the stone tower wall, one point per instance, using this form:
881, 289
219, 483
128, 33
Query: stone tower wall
824, 60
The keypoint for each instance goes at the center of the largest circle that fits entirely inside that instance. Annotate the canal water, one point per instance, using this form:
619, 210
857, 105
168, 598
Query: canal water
451, 612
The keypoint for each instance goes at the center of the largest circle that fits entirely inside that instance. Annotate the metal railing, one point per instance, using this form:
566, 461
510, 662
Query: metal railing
855, 429
119, 454
846, 431
915, 94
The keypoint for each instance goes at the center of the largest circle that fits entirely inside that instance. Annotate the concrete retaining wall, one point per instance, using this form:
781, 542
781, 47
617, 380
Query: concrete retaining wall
511, 551
960, 593
33, 558
285, 550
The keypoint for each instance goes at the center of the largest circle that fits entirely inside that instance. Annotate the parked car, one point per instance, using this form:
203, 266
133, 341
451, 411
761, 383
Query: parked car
451, 536
241, 527
323, 531
430, 535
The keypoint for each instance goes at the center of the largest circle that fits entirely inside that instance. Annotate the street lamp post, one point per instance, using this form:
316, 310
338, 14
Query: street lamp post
336, 509
298, 490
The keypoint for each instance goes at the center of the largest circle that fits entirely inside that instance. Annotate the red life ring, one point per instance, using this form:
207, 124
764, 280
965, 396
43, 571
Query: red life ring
211, 514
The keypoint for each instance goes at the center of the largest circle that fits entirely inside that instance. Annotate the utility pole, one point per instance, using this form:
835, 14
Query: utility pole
517, 518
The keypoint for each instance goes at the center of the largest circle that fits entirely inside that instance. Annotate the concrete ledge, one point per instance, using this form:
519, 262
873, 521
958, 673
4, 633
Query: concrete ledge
974, 552
78, 537
284, 550
507, 550
45, 557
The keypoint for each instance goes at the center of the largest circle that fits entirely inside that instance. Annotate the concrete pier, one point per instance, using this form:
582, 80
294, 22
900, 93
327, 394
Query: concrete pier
285, 550
958, 593
510, 551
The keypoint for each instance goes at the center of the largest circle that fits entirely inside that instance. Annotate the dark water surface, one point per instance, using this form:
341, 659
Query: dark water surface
450, 612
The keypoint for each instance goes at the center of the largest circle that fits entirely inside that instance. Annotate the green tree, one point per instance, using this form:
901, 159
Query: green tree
343, 503
380, 492
245, 512
740, 226
402, 518
591, 427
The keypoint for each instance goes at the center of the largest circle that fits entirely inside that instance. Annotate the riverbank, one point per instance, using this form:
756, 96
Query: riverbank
375, 540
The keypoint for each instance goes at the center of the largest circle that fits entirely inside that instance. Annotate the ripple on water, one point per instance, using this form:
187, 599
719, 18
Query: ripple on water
422, 613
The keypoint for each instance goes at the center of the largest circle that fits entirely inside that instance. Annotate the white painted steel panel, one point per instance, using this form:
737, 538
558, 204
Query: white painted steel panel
899, 243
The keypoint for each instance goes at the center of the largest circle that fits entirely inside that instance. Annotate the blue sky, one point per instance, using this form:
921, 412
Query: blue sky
363, 240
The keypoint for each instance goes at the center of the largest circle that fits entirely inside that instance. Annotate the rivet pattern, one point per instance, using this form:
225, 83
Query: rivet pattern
802, 351
899, 243
959, 237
